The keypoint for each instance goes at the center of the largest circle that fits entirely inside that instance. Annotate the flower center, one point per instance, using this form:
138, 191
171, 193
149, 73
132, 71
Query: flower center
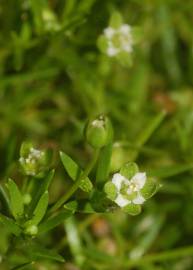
132, 187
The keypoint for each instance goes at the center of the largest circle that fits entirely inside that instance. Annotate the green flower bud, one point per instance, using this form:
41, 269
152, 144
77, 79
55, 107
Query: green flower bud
129, 170
110, 190
31, 230
27, 198
132, 209
98, 132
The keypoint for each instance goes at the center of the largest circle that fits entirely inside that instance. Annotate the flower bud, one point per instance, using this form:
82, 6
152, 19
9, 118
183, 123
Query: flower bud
27, 198
98, 132
31, 230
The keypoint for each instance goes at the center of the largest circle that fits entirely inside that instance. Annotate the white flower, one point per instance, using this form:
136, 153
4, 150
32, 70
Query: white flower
31, 160
109, 32
128, 190
119, 40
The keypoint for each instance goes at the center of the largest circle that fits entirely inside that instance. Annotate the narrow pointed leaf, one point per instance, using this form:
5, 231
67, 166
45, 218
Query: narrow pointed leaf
16, 199
22, 266
74, 172
36, 252
40, 209
54, 221
81, 206
4, 199
11, 226
40, 189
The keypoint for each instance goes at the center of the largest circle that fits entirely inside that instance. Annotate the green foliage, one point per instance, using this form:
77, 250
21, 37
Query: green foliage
16, 201
56, 71
74, 172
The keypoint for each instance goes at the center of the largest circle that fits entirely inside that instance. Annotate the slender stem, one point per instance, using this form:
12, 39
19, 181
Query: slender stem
25, 184
71, 191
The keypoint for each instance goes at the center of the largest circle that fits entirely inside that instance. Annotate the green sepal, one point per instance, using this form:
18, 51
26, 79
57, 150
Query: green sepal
25, 148
149, 188
102, 43
116, 20
16, 199
110, 190
132, 209
129, 169
125, 58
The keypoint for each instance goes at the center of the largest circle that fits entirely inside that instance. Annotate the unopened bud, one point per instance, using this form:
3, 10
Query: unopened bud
99, 131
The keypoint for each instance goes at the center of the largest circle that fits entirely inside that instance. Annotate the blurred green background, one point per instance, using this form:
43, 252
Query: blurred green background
53, 77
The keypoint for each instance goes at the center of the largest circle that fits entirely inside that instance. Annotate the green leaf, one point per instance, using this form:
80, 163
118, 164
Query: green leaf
22, 266
54, 221
132, 209
4, 199
40, 209
16, 199
104, 164
10, 225
40, 188
37, 253
82, 206
74, 172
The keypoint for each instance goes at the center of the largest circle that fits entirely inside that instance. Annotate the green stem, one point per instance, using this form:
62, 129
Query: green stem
25, 184
76, 185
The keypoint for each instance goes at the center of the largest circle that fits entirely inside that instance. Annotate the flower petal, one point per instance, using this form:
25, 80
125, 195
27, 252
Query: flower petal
138, 200
121, 201
125, 29
109, 32
139, 179
111, 51
117, 180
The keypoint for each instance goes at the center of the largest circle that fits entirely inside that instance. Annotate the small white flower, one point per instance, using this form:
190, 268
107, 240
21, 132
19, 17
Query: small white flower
119, 40
130, 187
30, 162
